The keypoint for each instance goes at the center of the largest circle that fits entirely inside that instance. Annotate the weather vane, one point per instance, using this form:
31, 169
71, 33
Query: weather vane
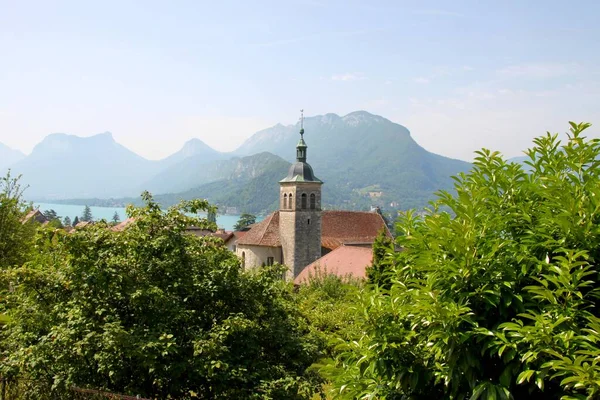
301, 122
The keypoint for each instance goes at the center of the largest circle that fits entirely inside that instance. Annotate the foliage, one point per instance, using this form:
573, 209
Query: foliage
245, 221
211, 216
16, 238
75, 220
67, 221
87, 216
379, 272
51, 215
154, 311
115, 218
498, 298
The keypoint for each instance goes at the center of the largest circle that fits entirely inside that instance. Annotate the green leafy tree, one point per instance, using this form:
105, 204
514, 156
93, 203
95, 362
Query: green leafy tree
87, 214
116, 219
498, 298
67, 221
154, 311
380, 271
51, 215
244, 222
211, 215
16, 237
75, 220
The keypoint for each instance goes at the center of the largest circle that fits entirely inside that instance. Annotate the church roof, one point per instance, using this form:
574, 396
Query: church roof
337, 228
300, 172
263, 233
343, 261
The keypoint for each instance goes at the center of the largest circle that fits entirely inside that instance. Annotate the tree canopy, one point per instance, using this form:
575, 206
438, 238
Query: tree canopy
245, 221
16, 237
495, 293
154, 311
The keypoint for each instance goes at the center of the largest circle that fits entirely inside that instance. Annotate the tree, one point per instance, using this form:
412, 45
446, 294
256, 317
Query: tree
244, 222
211, 215
51, 215
87, 214
116, 219
154, 311
497, 298
16, 237
67, 221
380, 271
75, 220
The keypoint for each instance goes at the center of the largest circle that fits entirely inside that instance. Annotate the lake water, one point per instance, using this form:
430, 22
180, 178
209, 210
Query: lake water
223, 221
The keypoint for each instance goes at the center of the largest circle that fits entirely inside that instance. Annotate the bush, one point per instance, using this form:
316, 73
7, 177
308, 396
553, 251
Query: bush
156, 312
498, 297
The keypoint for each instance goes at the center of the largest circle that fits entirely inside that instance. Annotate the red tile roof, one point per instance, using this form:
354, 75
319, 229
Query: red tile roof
263, 233
122, 225
338, 227
343, 261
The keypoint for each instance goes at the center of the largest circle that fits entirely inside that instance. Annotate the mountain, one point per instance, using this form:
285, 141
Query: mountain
364, 158
248, 183
68, 166
193, 165
193, 148
9, 156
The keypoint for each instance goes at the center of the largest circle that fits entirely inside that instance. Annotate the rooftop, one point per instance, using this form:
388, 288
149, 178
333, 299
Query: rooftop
343, 261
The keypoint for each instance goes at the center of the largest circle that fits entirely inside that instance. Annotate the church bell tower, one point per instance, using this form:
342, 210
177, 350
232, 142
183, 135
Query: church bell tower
300, 212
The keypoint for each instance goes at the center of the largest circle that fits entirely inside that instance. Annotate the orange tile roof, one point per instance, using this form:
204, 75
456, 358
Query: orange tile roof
343, 261
338, 227
263, 233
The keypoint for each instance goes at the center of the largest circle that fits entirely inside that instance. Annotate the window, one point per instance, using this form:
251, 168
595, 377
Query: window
284, 202
269, 260
243, 260
309, 221
303, 201
313, 201
291, 201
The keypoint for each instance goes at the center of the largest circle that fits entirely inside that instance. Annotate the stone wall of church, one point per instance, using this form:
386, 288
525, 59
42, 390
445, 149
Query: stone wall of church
256, 256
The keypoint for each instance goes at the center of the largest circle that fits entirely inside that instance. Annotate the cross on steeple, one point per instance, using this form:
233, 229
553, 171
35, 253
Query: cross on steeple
301, 123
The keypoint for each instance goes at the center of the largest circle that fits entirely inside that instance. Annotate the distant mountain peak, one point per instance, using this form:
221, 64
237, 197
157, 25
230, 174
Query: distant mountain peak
9, 156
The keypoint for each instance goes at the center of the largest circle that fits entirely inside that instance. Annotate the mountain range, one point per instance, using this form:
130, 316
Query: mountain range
9, 156
364, 160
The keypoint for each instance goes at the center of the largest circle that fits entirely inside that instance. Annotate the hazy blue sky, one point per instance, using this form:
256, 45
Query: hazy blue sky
459, 74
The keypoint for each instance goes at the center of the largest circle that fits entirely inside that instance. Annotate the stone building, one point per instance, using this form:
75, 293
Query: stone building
300, 233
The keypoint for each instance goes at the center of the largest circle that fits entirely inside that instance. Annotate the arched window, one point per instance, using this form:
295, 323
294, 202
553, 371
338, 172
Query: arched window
313, 201
291, 203
303, 201
243, 260
284, 202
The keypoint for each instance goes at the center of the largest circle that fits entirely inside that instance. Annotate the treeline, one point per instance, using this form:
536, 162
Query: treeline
491, 294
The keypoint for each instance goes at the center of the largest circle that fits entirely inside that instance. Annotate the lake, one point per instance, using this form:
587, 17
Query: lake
63, 210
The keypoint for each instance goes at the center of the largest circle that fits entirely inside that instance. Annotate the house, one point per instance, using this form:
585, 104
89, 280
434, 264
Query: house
35, 215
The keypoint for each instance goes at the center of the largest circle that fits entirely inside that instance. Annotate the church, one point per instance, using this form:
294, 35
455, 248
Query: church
302, 236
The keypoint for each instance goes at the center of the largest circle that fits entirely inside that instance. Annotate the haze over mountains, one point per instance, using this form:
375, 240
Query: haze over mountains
9, 156
363, 158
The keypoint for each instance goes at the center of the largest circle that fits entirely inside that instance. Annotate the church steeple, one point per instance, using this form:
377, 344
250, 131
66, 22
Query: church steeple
300, 212
301, 146
301, 171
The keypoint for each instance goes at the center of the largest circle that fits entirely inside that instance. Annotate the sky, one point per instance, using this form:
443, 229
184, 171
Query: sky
460, 75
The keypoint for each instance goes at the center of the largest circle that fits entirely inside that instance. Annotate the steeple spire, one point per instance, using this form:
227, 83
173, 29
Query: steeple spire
301, 147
